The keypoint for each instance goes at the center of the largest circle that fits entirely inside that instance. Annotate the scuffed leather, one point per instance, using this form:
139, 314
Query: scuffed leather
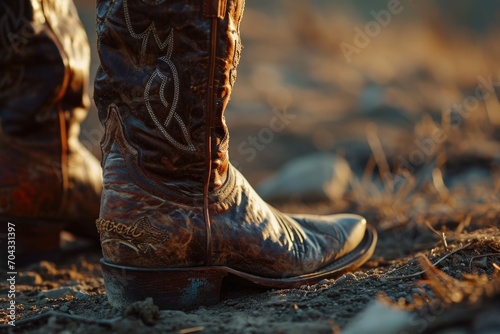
44, 61
152, 209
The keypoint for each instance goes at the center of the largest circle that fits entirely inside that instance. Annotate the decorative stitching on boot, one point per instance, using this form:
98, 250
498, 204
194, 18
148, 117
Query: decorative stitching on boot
172, 113
169, 44
141, 236
151, 29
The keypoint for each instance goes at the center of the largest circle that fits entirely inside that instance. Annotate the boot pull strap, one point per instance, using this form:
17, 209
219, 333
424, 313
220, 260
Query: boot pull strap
215, 8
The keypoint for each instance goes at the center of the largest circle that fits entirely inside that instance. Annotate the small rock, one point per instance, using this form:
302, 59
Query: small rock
29, 278
231, 302
145, 310
333, 294
64, 308
81, 295
46, 269
316, 177
482, 263
345, 277
360, 275
57, 293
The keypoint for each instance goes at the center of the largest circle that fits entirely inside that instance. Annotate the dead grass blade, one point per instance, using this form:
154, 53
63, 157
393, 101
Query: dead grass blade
441, 235
433, 264
379, 155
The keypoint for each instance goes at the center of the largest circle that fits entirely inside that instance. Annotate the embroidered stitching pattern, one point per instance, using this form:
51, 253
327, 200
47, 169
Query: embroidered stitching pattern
164, 102
169, 44
151, 29
141, 236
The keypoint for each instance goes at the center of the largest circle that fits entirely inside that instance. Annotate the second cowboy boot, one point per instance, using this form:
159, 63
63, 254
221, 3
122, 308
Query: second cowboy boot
48, 180
176, 217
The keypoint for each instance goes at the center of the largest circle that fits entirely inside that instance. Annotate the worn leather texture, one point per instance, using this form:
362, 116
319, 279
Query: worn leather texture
45, 174
152, 91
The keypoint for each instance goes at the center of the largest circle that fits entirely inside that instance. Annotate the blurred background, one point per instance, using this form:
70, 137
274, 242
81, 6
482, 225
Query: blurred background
407, 80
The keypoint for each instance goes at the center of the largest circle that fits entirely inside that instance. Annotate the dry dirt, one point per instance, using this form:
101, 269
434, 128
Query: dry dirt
423, 148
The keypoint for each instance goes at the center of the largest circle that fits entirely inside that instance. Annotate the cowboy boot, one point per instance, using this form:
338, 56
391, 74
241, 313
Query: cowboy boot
48, 180
176, 217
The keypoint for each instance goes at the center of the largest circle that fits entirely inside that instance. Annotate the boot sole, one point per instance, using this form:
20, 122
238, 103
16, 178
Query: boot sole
24, 241
189, 288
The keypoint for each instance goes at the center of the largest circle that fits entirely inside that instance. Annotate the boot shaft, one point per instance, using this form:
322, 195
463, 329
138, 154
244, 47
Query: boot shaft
44, 61
166, 74
45, 174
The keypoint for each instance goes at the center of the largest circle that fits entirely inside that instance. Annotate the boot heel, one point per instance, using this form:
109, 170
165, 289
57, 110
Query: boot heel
171, 289
33, 240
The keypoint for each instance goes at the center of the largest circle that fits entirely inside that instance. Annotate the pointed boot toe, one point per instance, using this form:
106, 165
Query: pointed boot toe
353, 228
350, 228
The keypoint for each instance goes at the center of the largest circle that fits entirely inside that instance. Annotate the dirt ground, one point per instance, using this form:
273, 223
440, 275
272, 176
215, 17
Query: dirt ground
413, 112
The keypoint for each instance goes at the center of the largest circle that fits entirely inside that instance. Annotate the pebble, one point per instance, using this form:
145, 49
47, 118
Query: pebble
64, 308
345, 277
57, 293
482, 263
333, 294
360, 275
45, 268
29, 278
231, 302
81, 295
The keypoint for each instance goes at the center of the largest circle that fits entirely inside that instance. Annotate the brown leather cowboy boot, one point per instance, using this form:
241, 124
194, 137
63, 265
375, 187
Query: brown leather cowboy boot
48, 180
176, 217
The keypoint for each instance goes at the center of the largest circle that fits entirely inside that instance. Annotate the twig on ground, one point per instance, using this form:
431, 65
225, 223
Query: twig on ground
434, 264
